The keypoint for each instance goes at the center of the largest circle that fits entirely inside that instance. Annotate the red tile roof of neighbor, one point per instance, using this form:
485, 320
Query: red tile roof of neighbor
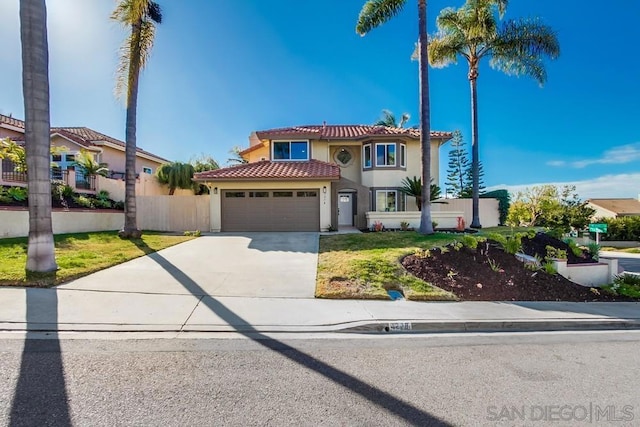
268, 170
81, 135
344, 132
11, 121
619, 206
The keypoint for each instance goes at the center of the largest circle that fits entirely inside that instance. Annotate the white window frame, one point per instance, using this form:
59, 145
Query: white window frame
364, 156
386, 154
385, 206
403, 155
273, 144
145, 169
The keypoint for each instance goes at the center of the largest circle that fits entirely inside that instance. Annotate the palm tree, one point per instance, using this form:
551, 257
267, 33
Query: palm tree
413, 187
375, 13
236, 157
88, 164
141, 16
41, 262
176, 175
515, 47
389, 119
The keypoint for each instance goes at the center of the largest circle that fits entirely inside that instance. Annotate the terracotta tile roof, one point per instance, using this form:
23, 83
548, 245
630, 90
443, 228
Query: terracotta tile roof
86, 137
344, 132
268, 170
619, 206
11, 121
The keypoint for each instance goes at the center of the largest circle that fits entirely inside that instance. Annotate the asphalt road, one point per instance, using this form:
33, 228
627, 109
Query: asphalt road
490, 379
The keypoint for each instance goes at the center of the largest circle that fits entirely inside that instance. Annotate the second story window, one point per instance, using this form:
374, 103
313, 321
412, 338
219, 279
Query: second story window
366, 156
290, 150
386, 154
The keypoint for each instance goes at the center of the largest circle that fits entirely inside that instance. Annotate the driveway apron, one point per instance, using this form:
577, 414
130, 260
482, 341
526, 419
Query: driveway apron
222, 264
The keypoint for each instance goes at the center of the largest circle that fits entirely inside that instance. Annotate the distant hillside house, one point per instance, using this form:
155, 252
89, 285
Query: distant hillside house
106, 150
614, 208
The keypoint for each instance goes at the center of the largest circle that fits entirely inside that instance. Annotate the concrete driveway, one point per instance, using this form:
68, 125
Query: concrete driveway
224, 264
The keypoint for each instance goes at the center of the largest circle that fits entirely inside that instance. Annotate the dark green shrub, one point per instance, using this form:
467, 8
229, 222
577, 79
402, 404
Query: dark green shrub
623, 228
119, 205
102, 203
102, 195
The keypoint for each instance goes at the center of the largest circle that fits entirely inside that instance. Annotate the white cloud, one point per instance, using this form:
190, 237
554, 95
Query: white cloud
607, 186
617, 155
558, 163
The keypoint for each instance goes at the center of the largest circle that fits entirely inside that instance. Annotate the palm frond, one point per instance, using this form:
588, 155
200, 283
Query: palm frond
444, 49
521, 47
376, 12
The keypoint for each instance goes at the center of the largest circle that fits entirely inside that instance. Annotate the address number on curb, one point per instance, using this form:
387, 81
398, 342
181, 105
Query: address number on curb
399, 326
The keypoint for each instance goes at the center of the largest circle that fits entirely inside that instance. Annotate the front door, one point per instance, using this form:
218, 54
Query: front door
345, 209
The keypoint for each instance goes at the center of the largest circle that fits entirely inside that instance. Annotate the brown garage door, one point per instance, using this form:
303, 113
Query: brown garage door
270, 210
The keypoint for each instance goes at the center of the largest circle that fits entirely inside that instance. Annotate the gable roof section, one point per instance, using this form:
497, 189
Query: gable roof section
91, 137
618, 206
273, 171
81, 135
345, 132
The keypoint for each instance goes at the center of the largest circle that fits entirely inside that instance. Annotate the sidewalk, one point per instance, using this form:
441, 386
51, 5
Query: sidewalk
90, 310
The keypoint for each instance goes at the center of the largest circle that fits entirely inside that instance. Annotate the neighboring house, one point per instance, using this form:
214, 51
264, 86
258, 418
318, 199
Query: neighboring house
311, 177
614, 208
106, 150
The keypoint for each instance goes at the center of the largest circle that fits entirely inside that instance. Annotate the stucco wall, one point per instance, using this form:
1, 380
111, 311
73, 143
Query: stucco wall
489, 214
8, 133
325, 197
146, 185
15, 223
394, 219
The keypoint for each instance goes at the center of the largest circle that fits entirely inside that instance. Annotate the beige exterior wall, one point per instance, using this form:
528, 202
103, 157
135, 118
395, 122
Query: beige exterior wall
259, 154
325, 197
14, 223
392, 220
8, 133
173, 213
115, 160
353, 171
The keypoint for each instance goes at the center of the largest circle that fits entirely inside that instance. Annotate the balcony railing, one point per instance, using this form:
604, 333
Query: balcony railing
9, 172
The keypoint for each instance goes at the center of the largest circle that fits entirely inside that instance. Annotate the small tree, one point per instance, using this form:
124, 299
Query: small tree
458, 164
176, 175
236, 158
203, 163
467, 189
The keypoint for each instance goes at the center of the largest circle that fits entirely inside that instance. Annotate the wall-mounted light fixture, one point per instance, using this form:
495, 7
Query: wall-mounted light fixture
324, 189
215, 190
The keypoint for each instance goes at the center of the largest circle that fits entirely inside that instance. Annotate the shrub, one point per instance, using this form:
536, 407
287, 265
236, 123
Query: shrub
513, 244
404, 226
623, 228
573, 246
549, 268
84, 201
4, 198
555, 253
102, 203
627, 285
594, 250
470, 242
102, 195
19, 194
377, 226
119, 205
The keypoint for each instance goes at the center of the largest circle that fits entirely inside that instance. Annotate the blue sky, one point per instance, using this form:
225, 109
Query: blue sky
223, 68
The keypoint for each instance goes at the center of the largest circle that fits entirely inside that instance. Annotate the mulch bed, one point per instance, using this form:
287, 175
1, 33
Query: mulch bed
537, 246
467, 273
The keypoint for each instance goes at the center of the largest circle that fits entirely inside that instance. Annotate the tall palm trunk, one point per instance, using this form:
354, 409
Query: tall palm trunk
41, 262
475, 162
130, 222
426, 224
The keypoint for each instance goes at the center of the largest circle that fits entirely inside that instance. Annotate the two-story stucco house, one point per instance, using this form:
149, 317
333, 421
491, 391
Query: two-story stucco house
307, 178
105, 149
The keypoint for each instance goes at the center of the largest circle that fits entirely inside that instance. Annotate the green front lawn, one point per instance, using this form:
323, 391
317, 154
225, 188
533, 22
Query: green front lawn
366, 265
80, 254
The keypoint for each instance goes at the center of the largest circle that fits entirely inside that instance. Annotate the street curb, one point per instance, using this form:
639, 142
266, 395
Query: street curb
542, 325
